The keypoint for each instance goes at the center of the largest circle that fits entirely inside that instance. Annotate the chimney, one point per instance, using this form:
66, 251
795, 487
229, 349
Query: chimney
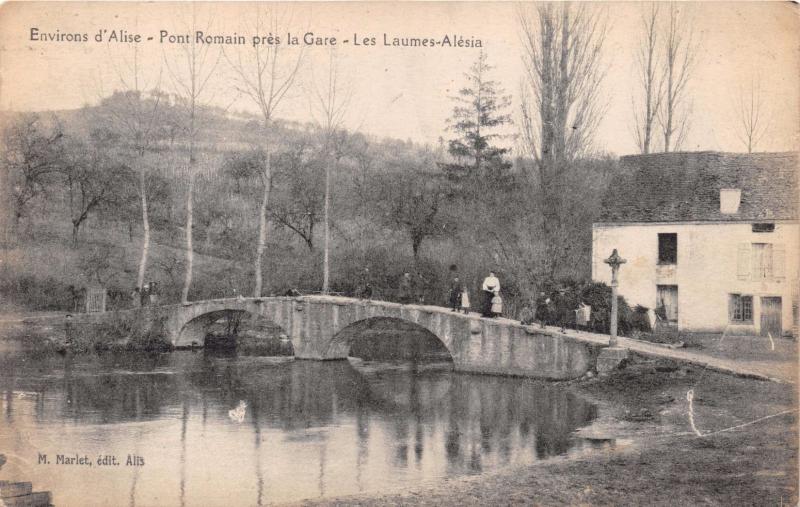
729, 199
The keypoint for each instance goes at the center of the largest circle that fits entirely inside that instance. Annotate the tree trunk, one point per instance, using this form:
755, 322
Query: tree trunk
207, 240
262, 226
325, 257
145, 229
187, 281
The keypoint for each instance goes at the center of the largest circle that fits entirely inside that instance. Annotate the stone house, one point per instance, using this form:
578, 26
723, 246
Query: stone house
710, 239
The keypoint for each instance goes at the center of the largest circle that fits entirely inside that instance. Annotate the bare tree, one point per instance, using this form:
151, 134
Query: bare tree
332, 101
651, 79
265, 77
680, 52
32, 154
752, 124
410, 198
136, 114
561, 107
298, 206
95, 179
190, 77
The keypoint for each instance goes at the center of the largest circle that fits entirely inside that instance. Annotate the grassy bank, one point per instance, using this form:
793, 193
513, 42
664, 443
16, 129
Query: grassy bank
119, 331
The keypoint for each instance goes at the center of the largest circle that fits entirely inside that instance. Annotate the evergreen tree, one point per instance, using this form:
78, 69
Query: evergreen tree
477, 116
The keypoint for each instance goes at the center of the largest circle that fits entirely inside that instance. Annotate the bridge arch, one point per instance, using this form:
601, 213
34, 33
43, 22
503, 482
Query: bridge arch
186, 325
243, 323
343, 339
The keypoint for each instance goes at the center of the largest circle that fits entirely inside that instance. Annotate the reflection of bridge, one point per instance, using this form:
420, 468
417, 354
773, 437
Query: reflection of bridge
314, 325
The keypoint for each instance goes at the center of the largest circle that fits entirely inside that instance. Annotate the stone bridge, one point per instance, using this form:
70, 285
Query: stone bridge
315, 324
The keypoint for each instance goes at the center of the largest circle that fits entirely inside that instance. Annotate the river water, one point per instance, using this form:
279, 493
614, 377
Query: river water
194, 428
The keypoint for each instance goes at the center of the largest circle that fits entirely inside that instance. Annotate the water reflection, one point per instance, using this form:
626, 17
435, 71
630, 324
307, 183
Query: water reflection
311, 429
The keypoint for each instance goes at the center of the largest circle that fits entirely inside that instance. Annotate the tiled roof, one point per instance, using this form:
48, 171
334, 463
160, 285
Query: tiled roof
679, 187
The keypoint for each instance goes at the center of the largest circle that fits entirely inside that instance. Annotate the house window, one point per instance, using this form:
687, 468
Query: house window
668, 248
763, 227
741, 308
762, 261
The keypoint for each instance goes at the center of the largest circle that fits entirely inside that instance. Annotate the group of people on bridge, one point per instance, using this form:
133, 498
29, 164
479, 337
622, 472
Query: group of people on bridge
491, 302
411, 290
146, 296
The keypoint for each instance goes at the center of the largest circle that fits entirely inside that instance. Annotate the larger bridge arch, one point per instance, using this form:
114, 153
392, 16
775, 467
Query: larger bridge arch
343, 340
476, 344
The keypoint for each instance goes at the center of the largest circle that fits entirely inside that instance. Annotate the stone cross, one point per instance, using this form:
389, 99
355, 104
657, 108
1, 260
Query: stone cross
615, 261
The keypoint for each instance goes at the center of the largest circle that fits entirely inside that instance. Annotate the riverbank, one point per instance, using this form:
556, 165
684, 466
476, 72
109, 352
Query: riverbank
745, 455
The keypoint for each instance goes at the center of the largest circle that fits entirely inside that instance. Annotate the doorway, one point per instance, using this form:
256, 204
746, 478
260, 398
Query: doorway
667, 302
771, 317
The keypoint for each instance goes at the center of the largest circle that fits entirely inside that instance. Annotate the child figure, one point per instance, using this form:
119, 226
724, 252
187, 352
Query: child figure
464, 299
497, 306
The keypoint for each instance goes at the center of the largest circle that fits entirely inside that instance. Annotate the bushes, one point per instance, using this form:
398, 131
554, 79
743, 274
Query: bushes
386, 267
571, 294
134, 332
639, 319
35, 293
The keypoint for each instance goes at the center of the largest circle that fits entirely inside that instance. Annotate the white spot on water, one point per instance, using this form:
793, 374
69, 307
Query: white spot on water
237, 414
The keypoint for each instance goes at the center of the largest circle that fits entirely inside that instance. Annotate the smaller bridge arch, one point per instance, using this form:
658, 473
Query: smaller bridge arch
196, 331
186, 325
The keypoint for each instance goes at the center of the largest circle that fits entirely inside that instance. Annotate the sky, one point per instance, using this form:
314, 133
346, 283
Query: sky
407, 93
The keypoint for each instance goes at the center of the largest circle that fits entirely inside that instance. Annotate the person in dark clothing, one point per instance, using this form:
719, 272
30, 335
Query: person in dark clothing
526, 315
419, 288
365, 291
69, 331
542, 311
75, 295
145, 295
454, 295
154, 293
563, 309
404, 290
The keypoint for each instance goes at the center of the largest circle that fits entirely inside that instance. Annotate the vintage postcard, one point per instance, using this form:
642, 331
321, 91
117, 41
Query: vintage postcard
399, 253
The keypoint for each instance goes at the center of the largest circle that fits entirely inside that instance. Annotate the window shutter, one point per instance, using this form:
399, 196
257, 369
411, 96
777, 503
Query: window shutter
778, 260
743, 270
731, 307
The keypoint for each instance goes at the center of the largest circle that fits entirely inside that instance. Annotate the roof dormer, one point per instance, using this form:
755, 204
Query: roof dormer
729, 199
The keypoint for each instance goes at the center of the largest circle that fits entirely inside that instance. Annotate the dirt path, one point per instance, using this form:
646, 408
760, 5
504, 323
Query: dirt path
777, 370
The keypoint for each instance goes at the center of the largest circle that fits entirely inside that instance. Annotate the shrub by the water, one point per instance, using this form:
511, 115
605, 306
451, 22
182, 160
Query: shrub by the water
120, 332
